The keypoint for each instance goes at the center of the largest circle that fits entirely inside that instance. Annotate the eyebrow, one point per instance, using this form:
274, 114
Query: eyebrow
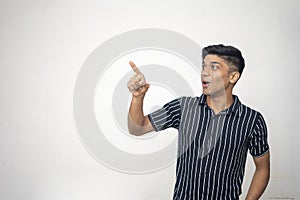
213, 62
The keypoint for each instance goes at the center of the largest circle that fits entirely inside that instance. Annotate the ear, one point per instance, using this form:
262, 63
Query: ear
234, 77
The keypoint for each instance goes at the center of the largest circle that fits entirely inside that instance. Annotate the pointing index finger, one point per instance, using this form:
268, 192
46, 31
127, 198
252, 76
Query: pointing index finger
134, 68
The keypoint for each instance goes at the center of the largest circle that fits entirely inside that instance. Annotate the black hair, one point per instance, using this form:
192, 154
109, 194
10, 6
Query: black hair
230, 54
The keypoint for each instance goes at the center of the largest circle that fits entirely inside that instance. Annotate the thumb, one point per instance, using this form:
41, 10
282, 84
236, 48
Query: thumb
142, 90
147, 85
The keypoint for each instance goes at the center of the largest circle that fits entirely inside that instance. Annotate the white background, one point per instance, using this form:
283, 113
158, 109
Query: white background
43, 45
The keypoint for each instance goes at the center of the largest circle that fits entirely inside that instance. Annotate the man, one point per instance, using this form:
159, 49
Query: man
215, 131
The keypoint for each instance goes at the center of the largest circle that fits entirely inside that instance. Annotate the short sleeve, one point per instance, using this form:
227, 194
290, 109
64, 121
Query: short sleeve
166, 117
259, 138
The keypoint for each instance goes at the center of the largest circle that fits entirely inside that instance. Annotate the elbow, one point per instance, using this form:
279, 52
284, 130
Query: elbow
136, 131
268, 175
264, 172
135, 128
132, 131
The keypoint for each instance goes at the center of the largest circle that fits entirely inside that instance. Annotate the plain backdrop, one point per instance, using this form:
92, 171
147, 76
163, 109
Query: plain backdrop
43, 45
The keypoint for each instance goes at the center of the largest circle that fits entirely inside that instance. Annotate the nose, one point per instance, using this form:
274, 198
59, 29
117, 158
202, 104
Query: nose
204, 72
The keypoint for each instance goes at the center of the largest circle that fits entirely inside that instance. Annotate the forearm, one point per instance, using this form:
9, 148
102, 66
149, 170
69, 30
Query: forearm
259, 183
137, 122
136, 113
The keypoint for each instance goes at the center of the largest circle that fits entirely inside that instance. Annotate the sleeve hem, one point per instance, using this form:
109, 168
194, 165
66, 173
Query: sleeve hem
260, 155
152, 123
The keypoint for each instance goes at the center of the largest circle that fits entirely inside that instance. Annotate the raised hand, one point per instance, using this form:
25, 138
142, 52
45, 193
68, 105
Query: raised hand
137, 85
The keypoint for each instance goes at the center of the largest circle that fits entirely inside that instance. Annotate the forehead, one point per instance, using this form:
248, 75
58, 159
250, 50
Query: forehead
211, 58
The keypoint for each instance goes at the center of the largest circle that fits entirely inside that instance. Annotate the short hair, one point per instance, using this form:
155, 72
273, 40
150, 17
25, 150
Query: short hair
230, 54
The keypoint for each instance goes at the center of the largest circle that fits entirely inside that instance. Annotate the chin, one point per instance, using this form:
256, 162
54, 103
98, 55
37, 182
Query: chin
205, 92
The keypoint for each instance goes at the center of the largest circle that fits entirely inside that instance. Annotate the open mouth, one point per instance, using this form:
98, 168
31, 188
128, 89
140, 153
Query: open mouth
205, 84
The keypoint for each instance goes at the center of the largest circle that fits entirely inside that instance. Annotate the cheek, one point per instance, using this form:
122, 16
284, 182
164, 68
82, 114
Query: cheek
217, 77
226, 81
220, 80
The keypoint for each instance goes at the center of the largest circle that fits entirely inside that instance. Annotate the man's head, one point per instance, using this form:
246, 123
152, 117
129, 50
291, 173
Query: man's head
231, 55
222, 66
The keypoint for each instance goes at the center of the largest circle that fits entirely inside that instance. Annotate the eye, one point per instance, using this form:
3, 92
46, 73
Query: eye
214, 67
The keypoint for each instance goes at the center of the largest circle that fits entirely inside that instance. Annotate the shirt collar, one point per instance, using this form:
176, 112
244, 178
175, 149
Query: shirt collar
234, 108
202, 99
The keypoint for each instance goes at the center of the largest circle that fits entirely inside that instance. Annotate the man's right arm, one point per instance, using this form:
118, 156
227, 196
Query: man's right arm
138, 123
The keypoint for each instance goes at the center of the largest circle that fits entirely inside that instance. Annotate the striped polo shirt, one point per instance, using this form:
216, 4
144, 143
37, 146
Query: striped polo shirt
212, 148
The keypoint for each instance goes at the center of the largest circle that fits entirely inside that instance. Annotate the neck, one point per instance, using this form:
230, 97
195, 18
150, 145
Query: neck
219, 103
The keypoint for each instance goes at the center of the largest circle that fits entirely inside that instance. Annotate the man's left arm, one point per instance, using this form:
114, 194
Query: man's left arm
260, 178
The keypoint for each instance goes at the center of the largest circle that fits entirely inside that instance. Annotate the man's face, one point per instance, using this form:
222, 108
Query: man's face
215, 76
